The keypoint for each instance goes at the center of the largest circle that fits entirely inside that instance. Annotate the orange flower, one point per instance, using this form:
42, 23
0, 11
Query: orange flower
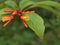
6, 18
25, 18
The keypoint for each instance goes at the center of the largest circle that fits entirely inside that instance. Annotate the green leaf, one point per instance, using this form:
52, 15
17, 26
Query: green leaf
51, 9
25, 3
49, 3
0, 18
36, 23
2, 5
47, 8
46, 4
11, 4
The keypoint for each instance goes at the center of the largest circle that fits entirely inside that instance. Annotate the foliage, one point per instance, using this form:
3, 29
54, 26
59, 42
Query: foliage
19, 35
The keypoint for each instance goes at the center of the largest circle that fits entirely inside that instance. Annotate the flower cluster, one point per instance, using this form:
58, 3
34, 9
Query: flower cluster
18, 13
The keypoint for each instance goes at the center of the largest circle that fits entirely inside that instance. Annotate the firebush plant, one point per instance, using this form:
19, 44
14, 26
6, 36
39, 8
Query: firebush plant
29, 18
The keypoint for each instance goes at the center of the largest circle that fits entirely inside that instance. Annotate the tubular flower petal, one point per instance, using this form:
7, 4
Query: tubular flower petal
7, 18
25, 24
14, 13
11, 17
8, 10
7, 23
25, 18
28, 12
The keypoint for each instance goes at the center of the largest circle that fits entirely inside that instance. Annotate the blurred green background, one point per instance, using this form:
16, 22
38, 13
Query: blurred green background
16, 34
